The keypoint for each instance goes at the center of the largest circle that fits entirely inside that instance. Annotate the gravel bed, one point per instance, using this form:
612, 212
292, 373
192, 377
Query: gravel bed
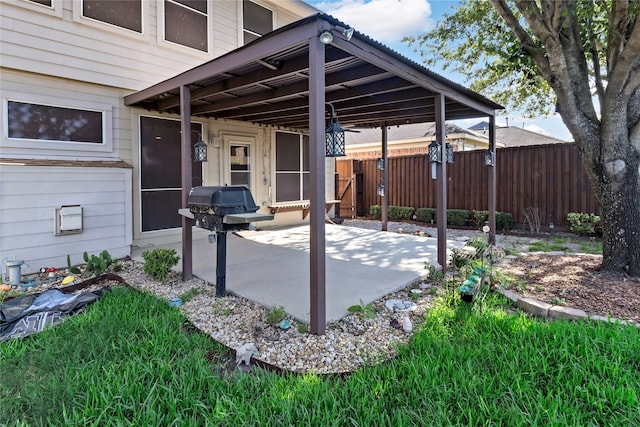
348, 344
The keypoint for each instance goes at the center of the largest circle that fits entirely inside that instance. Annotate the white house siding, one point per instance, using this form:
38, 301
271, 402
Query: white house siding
58, 57
29, 196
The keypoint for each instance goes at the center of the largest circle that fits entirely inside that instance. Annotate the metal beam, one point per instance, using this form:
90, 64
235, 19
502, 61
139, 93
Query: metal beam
186, 172
441, 176
385, 177
317, 283
492, 180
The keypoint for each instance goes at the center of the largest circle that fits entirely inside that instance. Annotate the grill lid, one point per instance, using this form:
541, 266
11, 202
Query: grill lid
224, 200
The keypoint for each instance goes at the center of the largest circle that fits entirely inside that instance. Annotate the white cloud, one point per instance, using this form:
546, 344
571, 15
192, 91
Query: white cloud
383, 20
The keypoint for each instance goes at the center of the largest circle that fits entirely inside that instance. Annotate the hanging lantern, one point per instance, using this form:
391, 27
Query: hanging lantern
380, 190
334, 137
435, 152
489, 158
200, 152
449, 153
380, 164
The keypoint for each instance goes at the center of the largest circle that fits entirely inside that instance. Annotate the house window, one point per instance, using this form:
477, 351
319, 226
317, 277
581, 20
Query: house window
51, 123
185, 23
43, 2
161, 172
258, 20
240, 165
121, 13
292, 167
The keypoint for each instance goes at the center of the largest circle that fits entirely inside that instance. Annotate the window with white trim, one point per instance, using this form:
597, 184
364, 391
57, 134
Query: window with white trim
30, 121
121, 13
48, 3
257, 21
292, 167
186, 23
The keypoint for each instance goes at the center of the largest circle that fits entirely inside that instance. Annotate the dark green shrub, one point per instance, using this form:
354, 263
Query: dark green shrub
583, 223
457, 216
504, 221
426, 214
400, 212
480, 217
375, 211
158, 263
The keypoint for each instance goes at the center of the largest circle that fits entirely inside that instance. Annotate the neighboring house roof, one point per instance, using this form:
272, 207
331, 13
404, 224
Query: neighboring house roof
415, 131
512, 136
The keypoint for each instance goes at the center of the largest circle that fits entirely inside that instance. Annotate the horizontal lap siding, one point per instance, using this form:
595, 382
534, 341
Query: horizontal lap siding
29, 196
548, 177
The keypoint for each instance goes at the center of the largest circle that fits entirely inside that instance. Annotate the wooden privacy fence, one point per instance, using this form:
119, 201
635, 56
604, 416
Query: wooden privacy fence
548, 177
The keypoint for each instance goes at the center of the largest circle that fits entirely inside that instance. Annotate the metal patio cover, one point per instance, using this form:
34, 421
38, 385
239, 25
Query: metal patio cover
285, 78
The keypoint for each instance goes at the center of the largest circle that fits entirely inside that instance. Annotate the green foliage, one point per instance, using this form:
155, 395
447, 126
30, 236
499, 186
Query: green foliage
480, 244
583, 223
96, 264
302, 328
275, 314
375, 211
400, 212
426, 214
364, 310
72, 269
158, 263
480, 217
435, 275
549, 246
504, 221
457, 217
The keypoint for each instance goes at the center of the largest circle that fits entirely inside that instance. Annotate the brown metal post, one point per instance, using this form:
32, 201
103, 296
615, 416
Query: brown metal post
492, 180
385, 178
185, 141
441, 175
317, 278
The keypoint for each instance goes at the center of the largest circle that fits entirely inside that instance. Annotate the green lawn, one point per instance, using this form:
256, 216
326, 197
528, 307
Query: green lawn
130, 360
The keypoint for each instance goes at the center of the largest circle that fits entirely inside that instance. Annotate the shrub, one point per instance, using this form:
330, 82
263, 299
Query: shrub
375, 211
158, 263
583, 223
400, 212
457, 216
480, 217
275, 314
504, 221
426, 214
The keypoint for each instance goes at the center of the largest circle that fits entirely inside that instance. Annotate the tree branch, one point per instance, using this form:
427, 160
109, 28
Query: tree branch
595, 59
525, 39
617, 26
626, 61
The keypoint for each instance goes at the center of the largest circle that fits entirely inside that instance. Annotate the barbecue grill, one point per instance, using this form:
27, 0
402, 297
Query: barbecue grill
223, 209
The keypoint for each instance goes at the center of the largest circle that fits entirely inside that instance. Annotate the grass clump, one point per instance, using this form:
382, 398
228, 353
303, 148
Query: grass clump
275, 314
159, 262
191, 294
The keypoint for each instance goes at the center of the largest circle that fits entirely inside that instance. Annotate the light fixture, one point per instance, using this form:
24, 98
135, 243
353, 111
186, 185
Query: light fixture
347, 32
380, 164
449, 153
334, 136
435, 152
380, 190
199, 149
489, 158
326, 37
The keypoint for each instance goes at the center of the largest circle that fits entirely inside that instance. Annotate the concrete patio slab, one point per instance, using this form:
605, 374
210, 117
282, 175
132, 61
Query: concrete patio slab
271, 267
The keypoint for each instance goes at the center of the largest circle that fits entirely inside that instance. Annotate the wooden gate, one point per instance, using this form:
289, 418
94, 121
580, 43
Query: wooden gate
347, 191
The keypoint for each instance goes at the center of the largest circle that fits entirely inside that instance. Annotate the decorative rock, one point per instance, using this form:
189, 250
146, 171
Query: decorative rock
533, 306
245, 352
406, 325
395, 324
285, 324
399, 305
175, 302
68, 280
559, 312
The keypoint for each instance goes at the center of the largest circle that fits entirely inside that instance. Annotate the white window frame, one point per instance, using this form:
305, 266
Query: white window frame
300, 171
106, 26
54, 10
39, 144
177, 46
241, 20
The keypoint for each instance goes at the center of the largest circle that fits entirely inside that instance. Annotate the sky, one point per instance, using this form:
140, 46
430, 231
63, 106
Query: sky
388, 21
